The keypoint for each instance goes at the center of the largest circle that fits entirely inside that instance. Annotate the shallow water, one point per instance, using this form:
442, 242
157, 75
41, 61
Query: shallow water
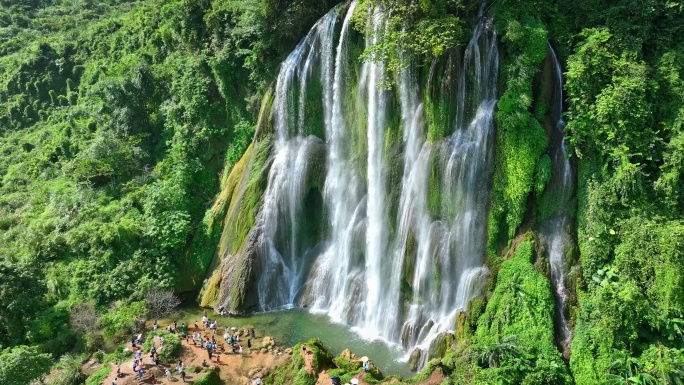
292, 326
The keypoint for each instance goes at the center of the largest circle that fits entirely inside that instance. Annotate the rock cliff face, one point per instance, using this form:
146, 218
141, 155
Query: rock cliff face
374, 204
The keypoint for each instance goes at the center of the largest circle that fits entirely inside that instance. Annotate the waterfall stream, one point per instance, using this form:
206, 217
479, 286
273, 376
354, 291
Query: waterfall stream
555, 231
399, 272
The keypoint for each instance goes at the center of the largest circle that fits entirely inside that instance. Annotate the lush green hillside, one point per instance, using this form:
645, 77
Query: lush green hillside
118, 121
121, 121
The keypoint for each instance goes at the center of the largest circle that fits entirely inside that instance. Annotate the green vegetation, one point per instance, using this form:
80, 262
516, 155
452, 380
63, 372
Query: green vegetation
98, 377
295, 372
168, 352
211, 378
134, 134
68, 371
521, 140
22, 364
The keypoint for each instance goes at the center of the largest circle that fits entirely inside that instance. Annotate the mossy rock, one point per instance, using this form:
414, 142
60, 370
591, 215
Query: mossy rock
211, 378
322, 358
440, 345
348, 361
414, 359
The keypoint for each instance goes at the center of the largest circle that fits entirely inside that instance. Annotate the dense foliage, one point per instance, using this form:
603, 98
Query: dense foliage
121, 120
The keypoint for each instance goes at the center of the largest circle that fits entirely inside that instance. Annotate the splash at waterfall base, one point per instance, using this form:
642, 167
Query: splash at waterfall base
348, 204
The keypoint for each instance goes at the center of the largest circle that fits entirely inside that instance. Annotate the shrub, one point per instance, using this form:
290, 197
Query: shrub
98, 377
123, 319
171, 349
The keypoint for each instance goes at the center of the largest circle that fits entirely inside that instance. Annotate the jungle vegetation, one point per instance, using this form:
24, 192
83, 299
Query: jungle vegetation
120, 121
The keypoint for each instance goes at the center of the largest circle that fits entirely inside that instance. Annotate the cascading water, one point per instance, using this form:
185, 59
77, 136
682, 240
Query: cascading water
555, 231
450, 252
284, 267
405, 284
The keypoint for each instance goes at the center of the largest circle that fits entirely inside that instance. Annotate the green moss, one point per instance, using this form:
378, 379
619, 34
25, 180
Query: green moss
522, 308
521, 141
314, 122
440, 345
542, 174
434, 186
211, 378
295, 372
440, 96
248, 205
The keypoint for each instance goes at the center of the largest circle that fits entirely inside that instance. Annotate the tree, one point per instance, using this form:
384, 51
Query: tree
22, 364
161, 303
123, 319
21, 297
69, 371
83, 317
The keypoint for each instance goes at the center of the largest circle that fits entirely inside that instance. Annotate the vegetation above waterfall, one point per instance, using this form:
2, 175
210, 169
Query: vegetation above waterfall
136, 143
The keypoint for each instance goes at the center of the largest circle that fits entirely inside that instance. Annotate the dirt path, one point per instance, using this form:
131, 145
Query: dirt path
234, 369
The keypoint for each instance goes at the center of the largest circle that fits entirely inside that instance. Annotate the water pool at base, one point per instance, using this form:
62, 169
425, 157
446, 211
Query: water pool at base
293, 326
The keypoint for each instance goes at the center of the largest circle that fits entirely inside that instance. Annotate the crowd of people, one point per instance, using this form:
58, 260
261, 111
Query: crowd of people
204, 338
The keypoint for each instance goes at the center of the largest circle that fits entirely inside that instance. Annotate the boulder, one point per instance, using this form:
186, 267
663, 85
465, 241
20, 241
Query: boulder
268, 342
414, 359
440, 345
253, 371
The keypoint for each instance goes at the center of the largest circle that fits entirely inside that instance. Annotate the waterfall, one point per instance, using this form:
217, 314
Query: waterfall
393, 261
283, 266
449, 267
555, 231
